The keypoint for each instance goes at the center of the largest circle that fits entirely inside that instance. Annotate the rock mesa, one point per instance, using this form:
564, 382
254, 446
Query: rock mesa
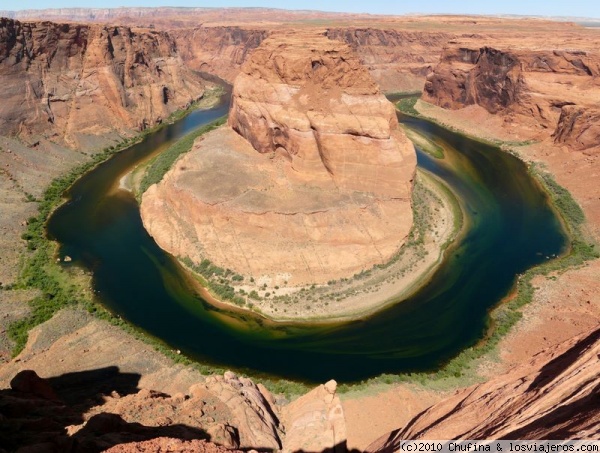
310, 101
312, 180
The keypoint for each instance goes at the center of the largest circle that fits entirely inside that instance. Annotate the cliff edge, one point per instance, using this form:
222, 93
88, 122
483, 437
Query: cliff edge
554, 396
76, 84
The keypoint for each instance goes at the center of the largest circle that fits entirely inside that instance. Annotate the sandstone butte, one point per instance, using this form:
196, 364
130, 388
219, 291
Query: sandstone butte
310, 181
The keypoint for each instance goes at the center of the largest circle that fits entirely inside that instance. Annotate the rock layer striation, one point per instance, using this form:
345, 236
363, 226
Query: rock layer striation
310, 101
554, 396
553, 92
73, 83
311, 182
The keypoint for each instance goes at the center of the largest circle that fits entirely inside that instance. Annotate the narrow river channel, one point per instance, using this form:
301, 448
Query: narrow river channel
511, 228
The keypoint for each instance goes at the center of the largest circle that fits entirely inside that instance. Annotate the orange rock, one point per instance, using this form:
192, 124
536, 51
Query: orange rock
552, 91
308, 99
328, 193
554, 396
315, 422
84, 81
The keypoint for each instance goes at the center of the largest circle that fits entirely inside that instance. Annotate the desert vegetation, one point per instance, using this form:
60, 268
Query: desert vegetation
164, 161
57, 288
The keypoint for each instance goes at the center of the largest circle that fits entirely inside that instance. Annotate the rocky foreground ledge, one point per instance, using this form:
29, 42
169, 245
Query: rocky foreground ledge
554, 396
86, 412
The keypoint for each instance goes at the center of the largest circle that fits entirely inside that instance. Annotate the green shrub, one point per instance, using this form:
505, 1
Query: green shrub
407, 105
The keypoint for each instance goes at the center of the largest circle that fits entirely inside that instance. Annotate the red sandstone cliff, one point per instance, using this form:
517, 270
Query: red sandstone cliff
554, 396
310, 101
398, 60
74, 82
553, 92
218, 50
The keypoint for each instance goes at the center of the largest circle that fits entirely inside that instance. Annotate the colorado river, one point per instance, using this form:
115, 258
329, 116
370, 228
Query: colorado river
511, 228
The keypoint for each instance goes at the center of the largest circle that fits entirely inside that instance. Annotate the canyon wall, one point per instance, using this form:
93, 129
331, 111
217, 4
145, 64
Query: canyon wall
554, 396
551, 92
218, 50
398, 60
81, 81
72, 83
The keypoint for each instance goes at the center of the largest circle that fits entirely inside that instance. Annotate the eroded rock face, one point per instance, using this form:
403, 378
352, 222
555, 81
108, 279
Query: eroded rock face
256, 423
555, 396
488, 77
72, 82
230, 411
34, 419
309, 100
315, 422
312, 182
218, 50
554, 92
398, 60
579, 127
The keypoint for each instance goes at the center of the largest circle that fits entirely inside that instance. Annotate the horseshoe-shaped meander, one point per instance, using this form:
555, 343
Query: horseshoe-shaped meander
511, 228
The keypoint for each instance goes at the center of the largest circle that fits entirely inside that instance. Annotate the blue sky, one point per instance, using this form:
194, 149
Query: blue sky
582, 8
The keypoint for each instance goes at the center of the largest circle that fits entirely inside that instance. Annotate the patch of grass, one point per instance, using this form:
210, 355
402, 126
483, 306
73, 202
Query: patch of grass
218, 280
395, 96
562, 199
162, 163
288, 388
407, 106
